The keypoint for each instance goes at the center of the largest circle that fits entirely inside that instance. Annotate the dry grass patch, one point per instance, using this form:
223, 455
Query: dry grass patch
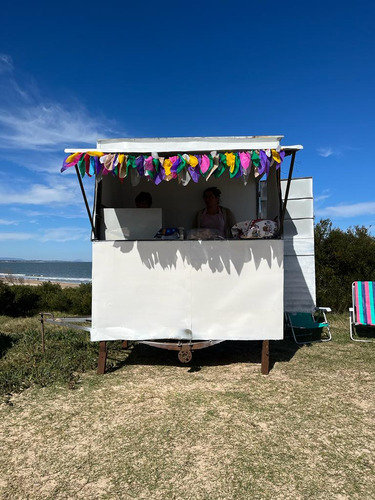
154, 429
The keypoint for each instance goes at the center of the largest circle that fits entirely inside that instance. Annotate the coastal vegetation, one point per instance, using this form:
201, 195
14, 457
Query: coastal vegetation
341, 257
20, 300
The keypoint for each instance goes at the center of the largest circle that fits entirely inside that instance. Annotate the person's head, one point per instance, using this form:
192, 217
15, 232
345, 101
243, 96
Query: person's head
211, 197
143, 200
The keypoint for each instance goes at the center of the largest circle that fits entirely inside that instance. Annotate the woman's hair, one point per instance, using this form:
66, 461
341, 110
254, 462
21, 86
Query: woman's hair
214, 190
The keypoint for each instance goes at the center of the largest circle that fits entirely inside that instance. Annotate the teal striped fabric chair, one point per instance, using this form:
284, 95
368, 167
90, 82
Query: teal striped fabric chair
363, 311
309, 327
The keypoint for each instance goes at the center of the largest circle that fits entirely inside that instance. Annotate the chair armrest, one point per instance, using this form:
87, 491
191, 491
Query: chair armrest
325, 309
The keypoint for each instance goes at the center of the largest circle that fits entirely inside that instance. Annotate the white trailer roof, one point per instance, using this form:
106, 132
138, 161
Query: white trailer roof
187, 144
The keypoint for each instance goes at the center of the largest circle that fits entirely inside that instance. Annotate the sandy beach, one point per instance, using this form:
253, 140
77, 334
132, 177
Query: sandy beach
36, 282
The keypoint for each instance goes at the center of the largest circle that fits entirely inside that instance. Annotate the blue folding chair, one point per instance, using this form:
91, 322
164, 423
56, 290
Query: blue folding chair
308, 324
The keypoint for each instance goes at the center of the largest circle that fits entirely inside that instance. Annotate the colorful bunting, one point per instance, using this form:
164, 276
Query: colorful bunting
184, 167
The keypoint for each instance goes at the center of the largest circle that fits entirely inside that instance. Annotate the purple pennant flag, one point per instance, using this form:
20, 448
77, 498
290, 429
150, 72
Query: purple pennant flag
98, 165
282, 156
176, 164
264, 163
139, 162
240, 172
193, 173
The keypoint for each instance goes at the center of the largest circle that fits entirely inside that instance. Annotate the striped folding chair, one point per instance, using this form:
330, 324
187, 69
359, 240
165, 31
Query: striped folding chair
363, 311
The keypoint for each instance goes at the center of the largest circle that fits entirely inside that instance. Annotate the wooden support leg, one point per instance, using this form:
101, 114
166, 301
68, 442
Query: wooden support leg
125, 344
102, 357
265, 367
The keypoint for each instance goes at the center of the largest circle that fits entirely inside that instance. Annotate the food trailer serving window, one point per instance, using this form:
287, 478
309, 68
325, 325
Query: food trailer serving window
174, 173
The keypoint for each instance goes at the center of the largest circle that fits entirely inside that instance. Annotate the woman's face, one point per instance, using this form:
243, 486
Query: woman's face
211, 200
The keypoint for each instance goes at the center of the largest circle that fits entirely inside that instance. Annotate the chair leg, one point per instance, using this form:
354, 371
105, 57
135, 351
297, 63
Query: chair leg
329, 335
352, 330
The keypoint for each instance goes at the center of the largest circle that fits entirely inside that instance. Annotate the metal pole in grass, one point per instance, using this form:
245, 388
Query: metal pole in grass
43, 332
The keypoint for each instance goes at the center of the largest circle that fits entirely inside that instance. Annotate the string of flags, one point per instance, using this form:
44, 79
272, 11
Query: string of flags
184, 167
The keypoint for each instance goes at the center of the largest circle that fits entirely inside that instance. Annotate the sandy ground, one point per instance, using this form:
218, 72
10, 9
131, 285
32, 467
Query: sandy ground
219, 430
37, 282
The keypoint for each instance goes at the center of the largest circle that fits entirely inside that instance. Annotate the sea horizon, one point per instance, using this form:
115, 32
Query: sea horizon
18, 259
63, 271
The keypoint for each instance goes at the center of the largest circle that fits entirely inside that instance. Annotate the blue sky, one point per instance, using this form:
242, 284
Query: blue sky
73, 72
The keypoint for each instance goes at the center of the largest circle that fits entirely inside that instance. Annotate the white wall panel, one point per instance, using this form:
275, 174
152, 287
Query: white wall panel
216, 290
299, 279
299, 228
299, 246
300, 209
299, 188
299, 283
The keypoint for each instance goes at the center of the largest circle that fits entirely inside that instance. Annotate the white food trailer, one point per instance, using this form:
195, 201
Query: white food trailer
183, 291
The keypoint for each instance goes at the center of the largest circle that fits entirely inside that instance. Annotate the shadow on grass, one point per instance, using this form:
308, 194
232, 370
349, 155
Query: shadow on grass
365, 332
6, 342
225, 353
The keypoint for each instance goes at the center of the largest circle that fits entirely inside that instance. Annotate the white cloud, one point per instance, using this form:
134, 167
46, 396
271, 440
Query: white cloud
4, 222
31, 122
325, 194
16, 236
6, 63
354, 210
36, 161
325, 152
63, 234
67, 193
60, 212
46, 127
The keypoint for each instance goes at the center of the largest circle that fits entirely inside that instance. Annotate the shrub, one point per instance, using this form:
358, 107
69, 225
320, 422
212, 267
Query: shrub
341, 257
6, 299
78, 300
26, 300
51, 296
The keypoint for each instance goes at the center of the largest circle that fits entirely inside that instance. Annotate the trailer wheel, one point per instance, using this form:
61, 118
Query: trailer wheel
185, 355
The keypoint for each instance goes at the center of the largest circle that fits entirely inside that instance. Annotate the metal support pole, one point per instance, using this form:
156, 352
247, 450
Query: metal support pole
85, 200
287, 190
43, 333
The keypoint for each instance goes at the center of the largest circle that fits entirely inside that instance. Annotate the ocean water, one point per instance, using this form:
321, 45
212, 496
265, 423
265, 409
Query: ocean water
66, 272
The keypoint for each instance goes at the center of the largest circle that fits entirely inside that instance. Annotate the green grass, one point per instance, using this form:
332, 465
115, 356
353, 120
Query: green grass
68, 353
152, 428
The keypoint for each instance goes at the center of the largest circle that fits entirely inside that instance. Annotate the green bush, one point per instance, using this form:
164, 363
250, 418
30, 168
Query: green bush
6, 299
25, 300
341, 257
78, 300
51, 297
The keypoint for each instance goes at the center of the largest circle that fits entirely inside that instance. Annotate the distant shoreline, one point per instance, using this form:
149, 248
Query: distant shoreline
24, 261
37, 282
